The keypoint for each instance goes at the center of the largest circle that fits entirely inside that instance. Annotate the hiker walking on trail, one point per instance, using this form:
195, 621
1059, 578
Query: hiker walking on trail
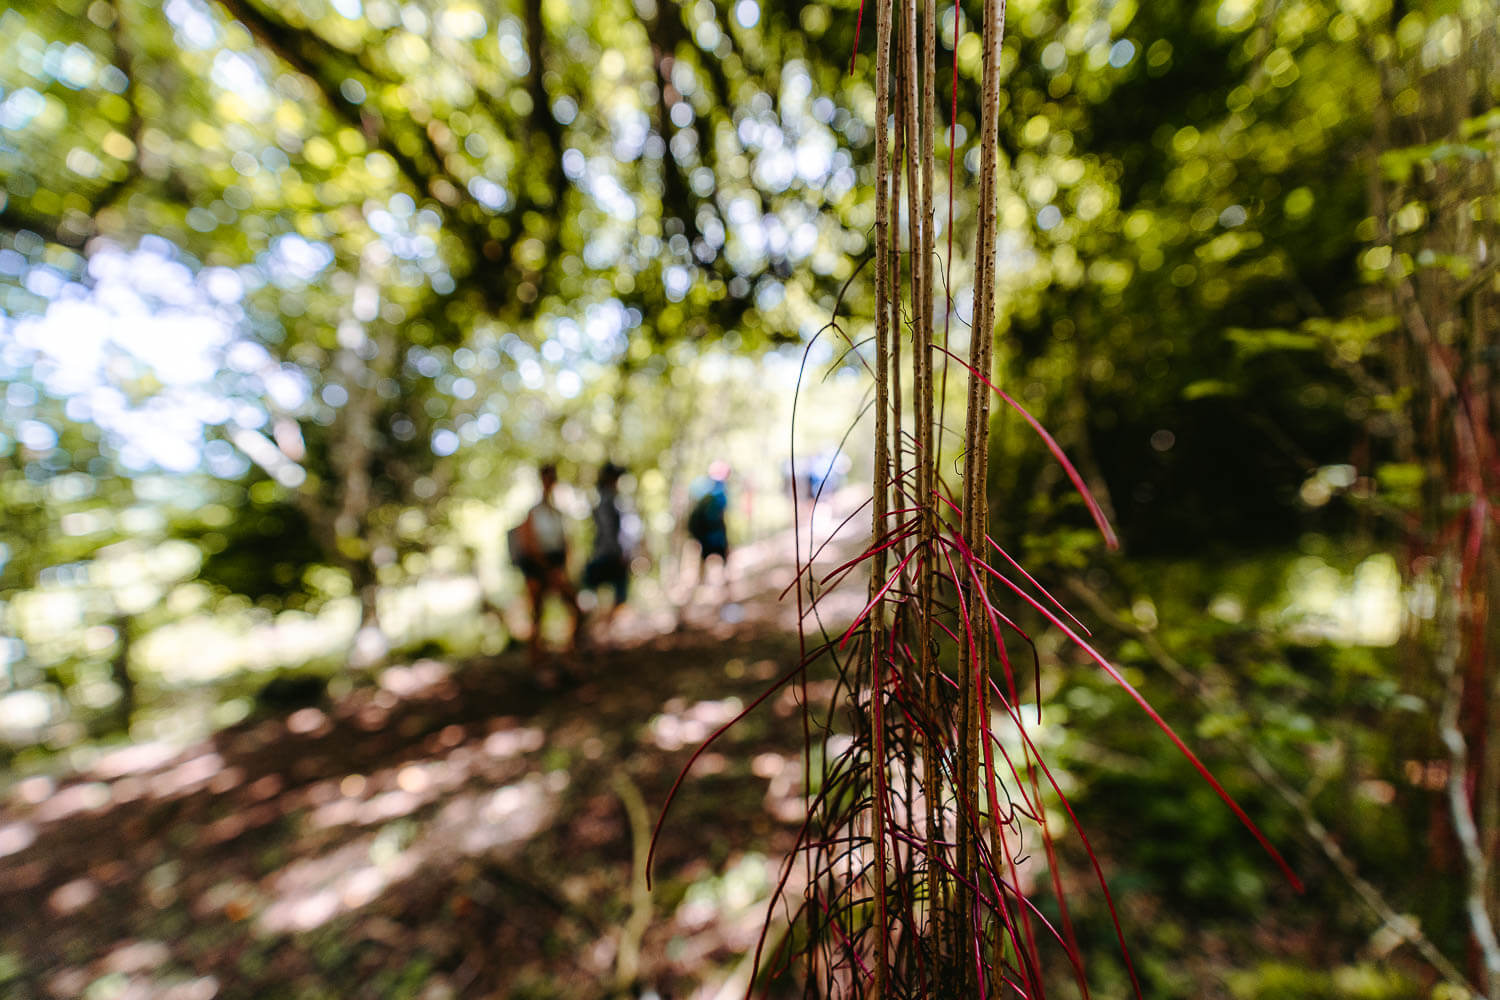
616, 530
706, 525
539, 546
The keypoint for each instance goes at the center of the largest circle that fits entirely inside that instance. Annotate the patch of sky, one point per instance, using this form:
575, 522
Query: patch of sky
684, 78
510, 39
223, 285
1121, 53
815, 155
604, 326
36, 435
775, 169
147, 312
223, 460
568, 335
842, 181
20, 107
444, 442
1232, 216
238, 74
425, 363
247, 415
286, 387
707, 35
684, 145
293, 261
45, 281
194, 26
414, 19
113, 79
803, 242
702, 181
1012, 254
713, 231
351, 9
463, 21
769, 294
573, 164
776, 235
515, 347
612, 197
603, 250
677, 281
748, 130
20, 395
73, 66
631, 128
796, 88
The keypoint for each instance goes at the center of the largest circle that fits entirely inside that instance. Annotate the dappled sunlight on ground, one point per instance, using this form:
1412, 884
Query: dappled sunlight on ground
457, 819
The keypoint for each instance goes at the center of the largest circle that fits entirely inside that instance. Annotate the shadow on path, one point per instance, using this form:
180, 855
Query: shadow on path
452, 831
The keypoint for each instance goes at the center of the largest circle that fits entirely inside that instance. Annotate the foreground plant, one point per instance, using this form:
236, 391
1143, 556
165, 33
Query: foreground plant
929, 793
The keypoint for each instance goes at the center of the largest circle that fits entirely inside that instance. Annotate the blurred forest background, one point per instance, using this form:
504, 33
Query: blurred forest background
295, 294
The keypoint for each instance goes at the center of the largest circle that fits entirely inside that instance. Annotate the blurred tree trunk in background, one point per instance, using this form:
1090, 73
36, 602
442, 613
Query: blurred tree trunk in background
1433, 185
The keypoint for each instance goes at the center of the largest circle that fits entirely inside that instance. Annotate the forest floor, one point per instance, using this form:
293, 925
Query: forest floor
474, 828
444, 829
449, 832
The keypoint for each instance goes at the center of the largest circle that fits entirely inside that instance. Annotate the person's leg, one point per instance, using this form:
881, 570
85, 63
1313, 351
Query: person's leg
720, 550
691, 597
558, 582
619, 586
535, 595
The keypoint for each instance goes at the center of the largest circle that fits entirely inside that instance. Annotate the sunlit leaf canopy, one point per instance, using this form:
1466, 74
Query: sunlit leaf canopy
488, 224
508, 163
454, 171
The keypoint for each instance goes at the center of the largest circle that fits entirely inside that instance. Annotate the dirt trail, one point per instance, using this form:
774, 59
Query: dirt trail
454, 830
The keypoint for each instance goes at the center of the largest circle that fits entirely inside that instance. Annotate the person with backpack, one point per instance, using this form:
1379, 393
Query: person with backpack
705, 523
616, 530
539, 548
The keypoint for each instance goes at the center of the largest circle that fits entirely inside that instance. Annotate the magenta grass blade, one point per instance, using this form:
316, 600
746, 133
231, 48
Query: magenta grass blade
1162, 724
859, 619
703, 748
1095, 511
1032, 580
859, 21
868, 553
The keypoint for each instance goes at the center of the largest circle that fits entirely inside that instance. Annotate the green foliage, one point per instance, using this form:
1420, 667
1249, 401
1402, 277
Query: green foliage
1294, 982
402, 255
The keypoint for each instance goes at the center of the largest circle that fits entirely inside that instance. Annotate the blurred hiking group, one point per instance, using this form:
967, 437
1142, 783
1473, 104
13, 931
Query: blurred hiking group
540, 548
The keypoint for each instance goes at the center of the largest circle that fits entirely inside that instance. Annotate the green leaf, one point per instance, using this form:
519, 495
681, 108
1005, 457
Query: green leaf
1209, 387
1252, 342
